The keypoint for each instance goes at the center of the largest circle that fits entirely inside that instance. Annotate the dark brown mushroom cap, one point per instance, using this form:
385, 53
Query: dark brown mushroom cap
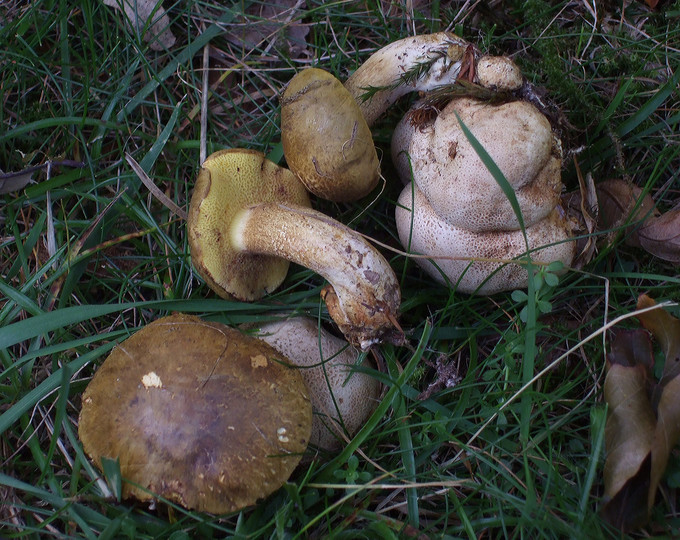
197, 413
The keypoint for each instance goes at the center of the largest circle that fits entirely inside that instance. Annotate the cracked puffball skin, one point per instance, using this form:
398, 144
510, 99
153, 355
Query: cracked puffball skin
197, 413
455, 211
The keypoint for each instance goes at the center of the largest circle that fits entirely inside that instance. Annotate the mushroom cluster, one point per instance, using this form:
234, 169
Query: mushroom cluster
456, 212
208, 417
453, 210
249, 217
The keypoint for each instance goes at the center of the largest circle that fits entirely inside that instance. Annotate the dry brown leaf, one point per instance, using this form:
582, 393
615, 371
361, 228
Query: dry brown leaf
10, 182
643, 422
660, 236
618, 201
666, 330
272, 22
631, 420
139, 12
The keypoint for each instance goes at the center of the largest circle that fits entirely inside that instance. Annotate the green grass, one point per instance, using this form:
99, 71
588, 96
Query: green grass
499, 455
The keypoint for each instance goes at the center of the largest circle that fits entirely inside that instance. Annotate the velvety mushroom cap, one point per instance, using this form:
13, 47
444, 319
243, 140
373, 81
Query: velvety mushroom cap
197, 413
460, 188
422, 231
229, 181
342, 399
326, 140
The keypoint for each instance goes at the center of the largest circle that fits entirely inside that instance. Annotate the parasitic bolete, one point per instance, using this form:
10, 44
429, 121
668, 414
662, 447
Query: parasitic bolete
249, 216
197, 413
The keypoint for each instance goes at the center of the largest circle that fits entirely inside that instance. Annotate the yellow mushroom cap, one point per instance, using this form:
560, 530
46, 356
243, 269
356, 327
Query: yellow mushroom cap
325, 138
229, 181
197, 413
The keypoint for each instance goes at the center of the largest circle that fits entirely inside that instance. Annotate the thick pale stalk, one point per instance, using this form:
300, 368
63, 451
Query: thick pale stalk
440, 56
363, 297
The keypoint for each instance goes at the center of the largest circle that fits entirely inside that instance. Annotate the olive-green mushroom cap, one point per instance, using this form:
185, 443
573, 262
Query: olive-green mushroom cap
229, 181
325, 138
197, 413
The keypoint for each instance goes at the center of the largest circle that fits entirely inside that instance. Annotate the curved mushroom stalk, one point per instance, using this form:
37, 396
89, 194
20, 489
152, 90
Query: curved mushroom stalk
422, 63
342, 399
363, 298
249, 217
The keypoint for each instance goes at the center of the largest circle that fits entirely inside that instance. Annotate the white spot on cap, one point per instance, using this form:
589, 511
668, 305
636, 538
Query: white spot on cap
151, 380
281, 432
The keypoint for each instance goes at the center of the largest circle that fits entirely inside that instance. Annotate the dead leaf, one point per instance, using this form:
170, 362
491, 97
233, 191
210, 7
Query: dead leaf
618, 202
14, 181
139, 12
273, 23
660, 236
11, 182
666, 331
643, 422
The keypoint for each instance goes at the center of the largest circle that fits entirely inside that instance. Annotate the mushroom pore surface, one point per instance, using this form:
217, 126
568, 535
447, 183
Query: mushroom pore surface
229, 181
197, 413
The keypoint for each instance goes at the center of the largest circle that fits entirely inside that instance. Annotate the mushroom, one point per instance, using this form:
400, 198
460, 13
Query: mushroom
325, 127
472, 261
342, 399
325, 138
247, 213
455, 211
423, 63
197, 413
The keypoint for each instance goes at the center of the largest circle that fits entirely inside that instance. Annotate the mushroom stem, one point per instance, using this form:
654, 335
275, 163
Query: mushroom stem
432, 60
363, 297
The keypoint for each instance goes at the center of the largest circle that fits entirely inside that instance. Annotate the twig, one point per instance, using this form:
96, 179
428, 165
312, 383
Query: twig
154, 189
204, 104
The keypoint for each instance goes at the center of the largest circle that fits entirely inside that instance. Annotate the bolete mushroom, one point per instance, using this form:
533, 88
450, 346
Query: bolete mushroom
197, 413
342, 399
325, 125
456, 211
247, 214
325, 138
